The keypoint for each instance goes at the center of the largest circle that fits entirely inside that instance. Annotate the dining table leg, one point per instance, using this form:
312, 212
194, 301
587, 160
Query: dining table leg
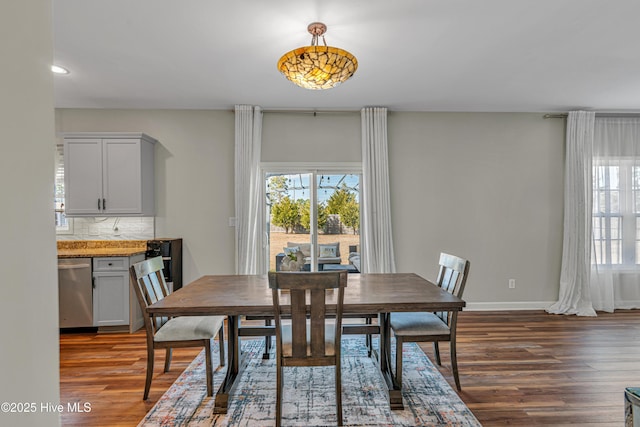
233, 366
394, 388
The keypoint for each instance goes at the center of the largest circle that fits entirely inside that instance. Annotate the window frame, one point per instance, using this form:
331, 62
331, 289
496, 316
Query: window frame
625, 234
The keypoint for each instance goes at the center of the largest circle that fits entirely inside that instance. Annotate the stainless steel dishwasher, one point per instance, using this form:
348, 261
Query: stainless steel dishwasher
75, 285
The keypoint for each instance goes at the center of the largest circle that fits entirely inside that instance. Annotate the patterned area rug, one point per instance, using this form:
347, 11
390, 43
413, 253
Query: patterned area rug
309, 397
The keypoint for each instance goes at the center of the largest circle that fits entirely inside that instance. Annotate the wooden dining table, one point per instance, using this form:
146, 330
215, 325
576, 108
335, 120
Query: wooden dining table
235, 296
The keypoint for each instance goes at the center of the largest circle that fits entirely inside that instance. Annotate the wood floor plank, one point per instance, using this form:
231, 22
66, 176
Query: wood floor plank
522, 368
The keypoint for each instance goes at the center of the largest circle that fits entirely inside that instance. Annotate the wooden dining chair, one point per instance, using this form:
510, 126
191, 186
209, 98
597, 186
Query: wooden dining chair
434, 327
302, 342
172, 332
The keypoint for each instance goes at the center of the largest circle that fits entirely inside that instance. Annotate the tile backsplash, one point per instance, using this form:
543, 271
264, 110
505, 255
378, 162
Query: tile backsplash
110, 228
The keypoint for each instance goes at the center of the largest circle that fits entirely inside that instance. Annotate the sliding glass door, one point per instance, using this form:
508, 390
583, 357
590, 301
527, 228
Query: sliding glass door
313, 218
288, 208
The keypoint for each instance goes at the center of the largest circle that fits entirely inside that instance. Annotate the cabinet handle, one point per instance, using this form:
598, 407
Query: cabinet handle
104, 204
98, 204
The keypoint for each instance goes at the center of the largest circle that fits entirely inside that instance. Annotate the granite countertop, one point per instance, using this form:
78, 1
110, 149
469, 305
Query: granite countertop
100, 248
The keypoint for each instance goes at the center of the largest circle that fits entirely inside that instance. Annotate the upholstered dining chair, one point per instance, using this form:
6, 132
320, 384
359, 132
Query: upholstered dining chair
172, 332
434, 327
302, 342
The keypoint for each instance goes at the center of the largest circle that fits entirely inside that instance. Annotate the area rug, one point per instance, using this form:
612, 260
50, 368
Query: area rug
309, 397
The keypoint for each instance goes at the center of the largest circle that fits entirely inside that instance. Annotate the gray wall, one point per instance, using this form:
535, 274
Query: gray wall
29, 358
486, 186
303, 137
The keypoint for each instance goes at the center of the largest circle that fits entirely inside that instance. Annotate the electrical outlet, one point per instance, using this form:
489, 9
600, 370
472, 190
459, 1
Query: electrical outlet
512, 283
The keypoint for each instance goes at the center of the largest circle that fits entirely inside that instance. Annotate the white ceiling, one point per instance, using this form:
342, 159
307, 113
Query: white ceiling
413, 55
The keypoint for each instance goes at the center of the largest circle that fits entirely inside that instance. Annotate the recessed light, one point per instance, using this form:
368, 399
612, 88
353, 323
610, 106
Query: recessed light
59, 70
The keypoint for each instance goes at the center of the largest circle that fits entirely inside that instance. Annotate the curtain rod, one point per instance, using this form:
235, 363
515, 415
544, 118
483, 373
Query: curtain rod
564, 115
314, 112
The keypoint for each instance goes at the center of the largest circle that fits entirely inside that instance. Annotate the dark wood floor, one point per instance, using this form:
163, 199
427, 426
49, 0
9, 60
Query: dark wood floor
516, 368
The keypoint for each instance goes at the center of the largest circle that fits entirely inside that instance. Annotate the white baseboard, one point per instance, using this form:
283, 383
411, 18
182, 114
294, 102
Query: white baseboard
505, 306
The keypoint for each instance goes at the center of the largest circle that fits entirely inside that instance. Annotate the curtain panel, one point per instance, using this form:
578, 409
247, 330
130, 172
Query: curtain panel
376, 234
250, 251
615, 276
575, 292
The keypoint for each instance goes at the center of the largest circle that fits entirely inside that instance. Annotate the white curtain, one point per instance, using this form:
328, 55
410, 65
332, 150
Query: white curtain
250, 252
376, 236
575, 293
615, 279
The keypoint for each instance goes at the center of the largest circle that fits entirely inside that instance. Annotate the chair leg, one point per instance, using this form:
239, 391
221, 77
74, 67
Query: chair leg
399, 360
150, 359
339, 392
454, 363
279, 391
436, 350
207, 352
221, 341
167, 359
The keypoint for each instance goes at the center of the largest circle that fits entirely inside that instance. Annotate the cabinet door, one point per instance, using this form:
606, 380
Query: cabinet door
121, 176
83, 176
111, 298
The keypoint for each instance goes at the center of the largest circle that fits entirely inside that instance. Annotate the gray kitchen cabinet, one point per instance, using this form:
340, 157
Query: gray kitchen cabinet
114, 303
109, 174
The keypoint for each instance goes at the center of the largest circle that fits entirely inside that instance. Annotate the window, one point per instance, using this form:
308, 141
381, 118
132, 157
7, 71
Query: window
616, 210
64, 225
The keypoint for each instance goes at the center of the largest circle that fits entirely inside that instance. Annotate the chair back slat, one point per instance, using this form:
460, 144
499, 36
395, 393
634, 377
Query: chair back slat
449, 279
298, 323
317, 319
157, 285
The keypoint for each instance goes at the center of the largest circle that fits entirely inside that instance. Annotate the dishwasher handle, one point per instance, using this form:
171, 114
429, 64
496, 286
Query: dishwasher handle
72, 266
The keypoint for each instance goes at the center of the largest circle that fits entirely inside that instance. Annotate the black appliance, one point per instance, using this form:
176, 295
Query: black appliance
171, 252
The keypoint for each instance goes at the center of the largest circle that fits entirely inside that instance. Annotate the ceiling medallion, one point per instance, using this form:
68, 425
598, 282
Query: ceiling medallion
317, 67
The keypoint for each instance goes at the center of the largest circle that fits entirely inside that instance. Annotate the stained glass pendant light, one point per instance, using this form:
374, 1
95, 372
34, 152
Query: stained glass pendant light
317, 67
